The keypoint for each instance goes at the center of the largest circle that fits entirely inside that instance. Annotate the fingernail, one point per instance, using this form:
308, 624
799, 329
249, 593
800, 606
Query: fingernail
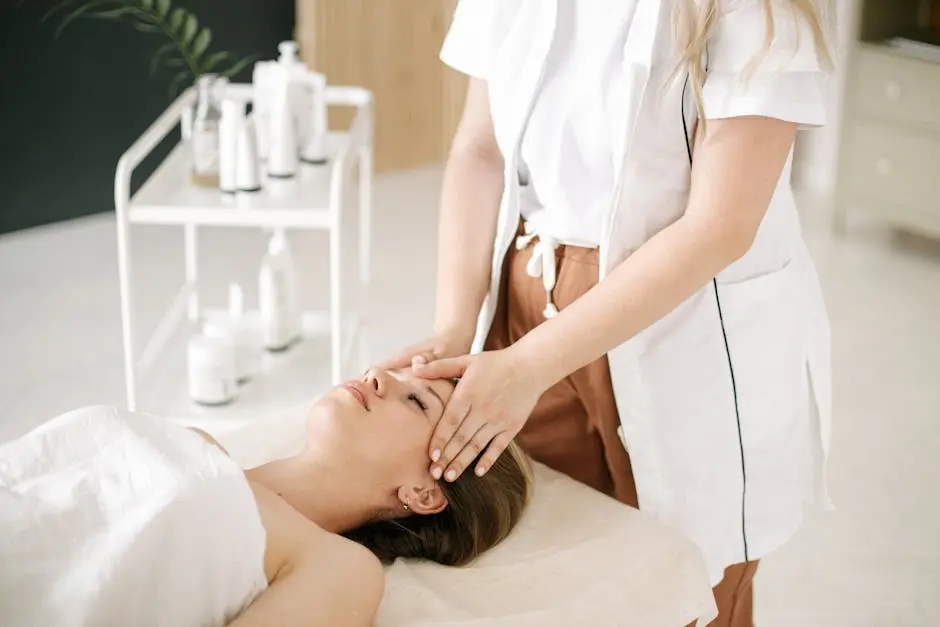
435, 455
451, 475
480, 471
418, 360
436, 472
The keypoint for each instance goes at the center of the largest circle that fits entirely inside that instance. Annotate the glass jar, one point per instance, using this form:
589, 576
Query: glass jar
205, 134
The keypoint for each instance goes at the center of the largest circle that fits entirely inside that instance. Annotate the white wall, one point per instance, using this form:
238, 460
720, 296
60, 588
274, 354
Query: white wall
816, 155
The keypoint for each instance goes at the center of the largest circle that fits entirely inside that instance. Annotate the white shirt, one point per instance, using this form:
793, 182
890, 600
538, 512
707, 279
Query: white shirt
725, 402
568, 144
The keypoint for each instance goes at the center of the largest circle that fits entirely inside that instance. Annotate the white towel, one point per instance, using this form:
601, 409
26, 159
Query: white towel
113, 518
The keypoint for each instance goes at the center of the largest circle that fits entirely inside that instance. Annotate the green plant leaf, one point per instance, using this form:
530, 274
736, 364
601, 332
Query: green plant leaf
214, 59
147, 4
79, 12
177, 81
200, 44
175, 62
163, 7
145, 27
176, 21
240, 65
189, 31
113, 14
141, 20
162, 50
55, 9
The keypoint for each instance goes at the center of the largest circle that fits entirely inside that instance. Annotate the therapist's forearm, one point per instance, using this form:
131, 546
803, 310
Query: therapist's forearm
653, 281
470, 197
737, 167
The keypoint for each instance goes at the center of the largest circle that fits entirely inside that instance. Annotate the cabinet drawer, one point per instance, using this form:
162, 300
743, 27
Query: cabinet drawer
891, 167
896, 88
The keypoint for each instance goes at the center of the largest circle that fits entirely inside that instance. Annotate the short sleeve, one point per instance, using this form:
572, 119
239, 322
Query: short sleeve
468, 47
785, 80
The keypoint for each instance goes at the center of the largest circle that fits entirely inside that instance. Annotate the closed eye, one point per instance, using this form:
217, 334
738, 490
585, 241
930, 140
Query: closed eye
417, 401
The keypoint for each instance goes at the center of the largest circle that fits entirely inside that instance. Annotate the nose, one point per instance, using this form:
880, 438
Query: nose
378, 380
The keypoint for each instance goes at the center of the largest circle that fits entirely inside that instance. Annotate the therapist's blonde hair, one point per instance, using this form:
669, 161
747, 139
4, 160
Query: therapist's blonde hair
693, 22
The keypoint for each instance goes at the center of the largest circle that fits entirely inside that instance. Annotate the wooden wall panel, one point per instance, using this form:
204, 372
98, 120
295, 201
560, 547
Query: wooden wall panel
390, 47
455, 91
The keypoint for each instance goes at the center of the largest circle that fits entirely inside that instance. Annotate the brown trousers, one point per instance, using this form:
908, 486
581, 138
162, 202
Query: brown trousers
574, 426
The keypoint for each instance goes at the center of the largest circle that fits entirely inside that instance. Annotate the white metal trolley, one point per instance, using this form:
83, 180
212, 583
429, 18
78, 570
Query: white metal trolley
312, 200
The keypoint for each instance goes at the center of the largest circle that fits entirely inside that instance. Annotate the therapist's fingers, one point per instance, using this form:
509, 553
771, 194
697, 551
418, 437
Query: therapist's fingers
497, 447
407, 358
471, 450
452, 368
447, 427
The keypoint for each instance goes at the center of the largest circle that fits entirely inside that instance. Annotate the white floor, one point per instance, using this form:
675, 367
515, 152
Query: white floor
874, 562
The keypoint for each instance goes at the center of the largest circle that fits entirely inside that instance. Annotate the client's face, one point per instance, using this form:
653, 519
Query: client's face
382, 423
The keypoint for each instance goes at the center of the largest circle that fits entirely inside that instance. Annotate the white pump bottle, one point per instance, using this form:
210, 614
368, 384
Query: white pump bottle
277, 296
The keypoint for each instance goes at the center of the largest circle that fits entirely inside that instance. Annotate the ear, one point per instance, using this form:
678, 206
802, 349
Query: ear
424, 500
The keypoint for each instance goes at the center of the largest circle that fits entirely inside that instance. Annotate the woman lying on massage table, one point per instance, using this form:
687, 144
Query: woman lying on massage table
118, 519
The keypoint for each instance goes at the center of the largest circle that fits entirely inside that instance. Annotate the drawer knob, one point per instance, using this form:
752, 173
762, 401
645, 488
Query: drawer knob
892, 91
883, 167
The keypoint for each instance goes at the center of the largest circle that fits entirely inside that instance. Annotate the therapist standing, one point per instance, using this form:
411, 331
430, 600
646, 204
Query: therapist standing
619, 238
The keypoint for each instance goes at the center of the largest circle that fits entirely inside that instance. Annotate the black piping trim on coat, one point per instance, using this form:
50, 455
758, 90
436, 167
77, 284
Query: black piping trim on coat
724, 335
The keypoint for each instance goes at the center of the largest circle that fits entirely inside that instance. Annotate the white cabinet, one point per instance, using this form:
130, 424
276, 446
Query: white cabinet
889, 163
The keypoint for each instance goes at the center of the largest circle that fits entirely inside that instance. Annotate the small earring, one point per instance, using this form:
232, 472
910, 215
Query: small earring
405, 505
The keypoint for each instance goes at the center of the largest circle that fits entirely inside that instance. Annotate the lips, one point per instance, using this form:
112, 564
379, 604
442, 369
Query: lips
358, 392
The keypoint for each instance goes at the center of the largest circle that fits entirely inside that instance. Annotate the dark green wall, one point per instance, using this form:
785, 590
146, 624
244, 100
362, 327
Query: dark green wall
69, 107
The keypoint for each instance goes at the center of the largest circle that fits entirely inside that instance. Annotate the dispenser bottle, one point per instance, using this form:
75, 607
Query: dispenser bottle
261, 105
230, 127
314, 146
282, 153
299, 92
248, 162
277, 296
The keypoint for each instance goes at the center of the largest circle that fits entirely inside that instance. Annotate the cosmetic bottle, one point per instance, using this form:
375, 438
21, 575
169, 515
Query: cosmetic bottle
277, 296
267, 78
211, 370
282, 153
299, 91
236, 328
314, 146
230, 130
205, 134
261, 105
248, 161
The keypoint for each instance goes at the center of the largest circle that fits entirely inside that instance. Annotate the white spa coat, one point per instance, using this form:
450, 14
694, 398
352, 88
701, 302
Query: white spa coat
725, 402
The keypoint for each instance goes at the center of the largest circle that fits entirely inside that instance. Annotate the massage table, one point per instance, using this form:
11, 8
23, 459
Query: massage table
576, 558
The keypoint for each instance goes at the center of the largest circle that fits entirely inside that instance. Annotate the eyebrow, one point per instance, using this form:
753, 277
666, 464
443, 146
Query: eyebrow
436, 395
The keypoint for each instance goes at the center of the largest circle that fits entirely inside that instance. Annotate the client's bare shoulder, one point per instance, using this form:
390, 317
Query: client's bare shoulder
316, 577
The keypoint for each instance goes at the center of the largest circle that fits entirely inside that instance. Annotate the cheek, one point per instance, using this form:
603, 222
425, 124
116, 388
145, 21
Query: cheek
319, 416
334, 423
401, 439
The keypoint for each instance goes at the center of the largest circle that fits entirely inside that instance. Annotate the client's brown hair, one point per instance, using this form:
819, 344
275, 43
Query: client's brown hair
480, 513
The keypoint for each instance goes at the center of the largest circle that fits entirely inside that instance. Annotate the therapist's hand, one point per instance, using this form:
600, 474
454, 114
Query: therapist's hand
450, 343
493, 399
